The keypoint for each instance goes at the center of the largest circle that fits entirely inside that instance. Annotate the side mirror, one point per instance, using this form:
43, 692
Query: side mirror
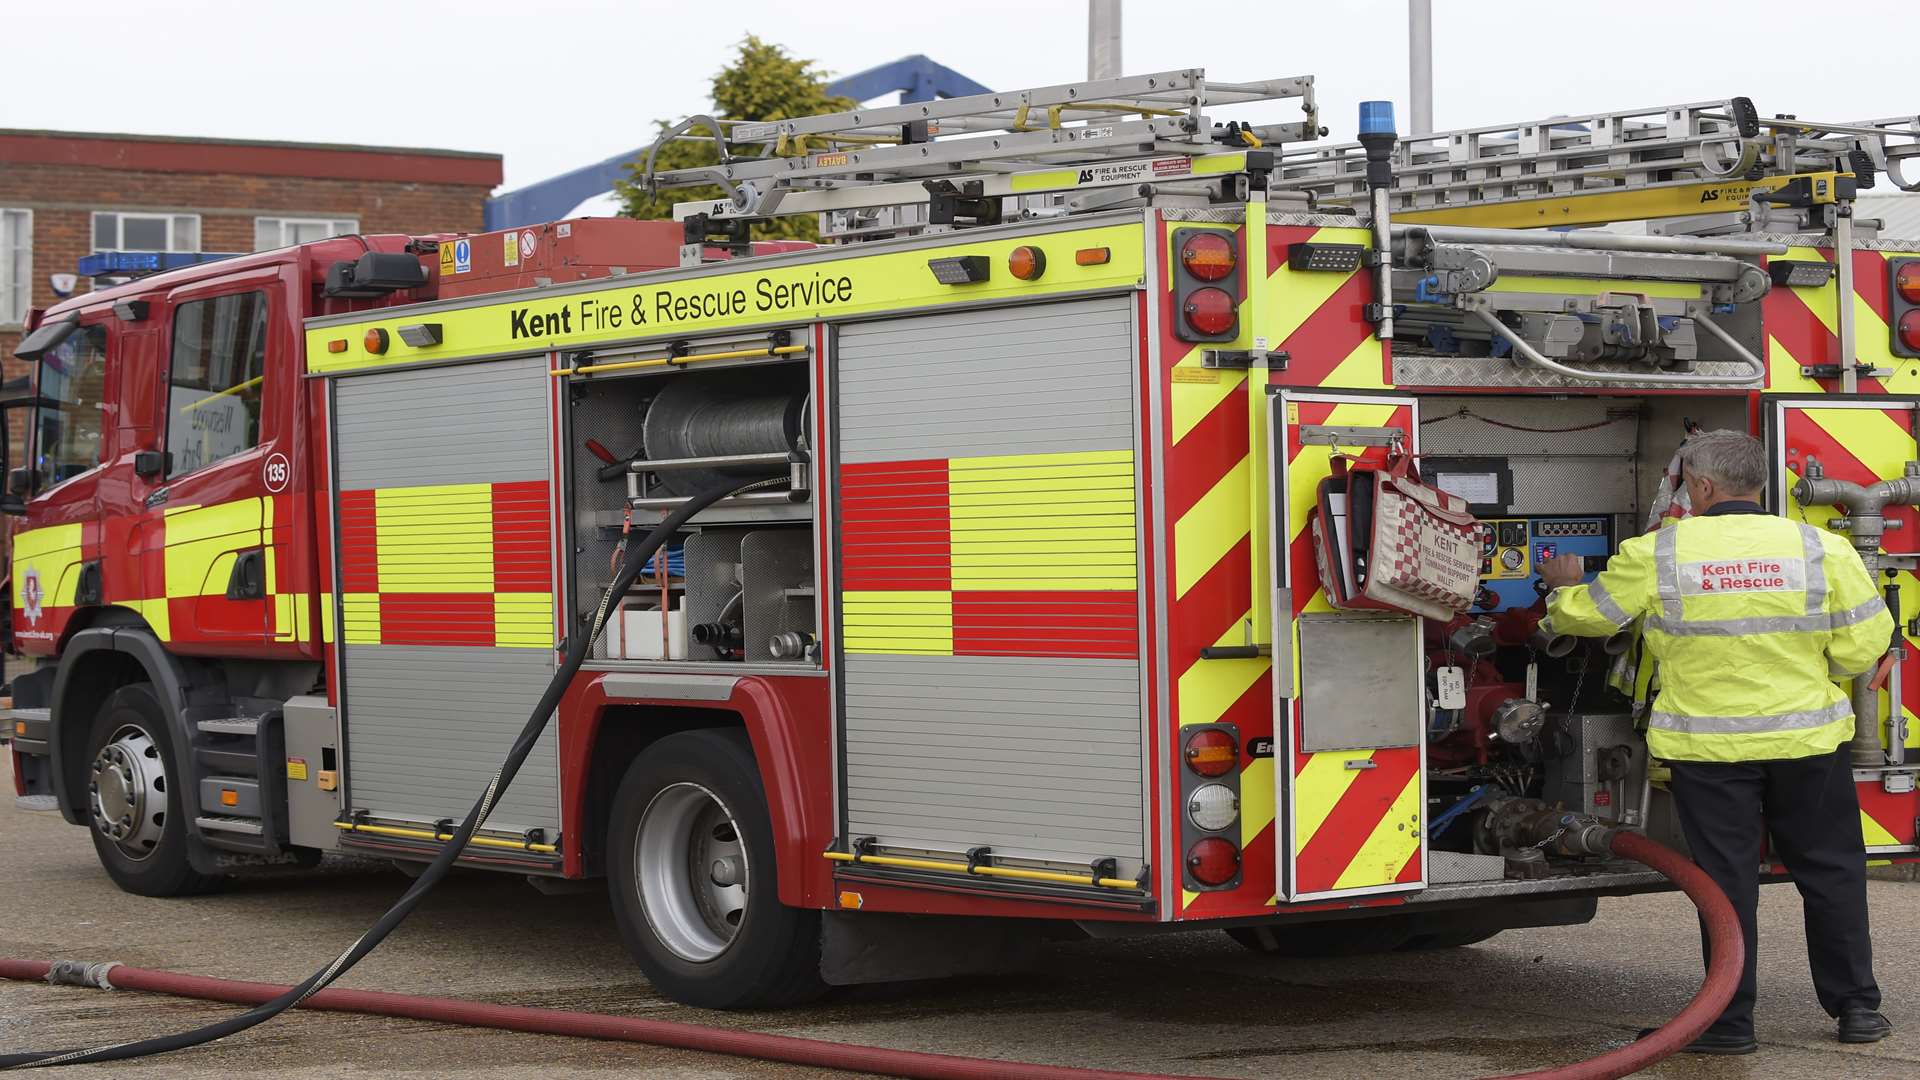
20, 482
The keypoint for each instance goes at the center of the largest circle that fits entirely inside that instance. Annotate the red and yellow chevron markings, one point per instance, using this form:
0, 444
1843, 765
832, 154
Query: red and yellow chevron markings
450, 564
1887, 821
1355, 825
1802, 327
1863, 445
1006, 555
1216, 427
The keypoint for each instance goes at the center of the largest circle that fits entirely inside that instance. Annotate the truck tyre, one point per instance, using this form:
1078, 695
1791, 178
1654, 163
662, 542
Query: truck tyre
690, 867
133, 799
1359, 937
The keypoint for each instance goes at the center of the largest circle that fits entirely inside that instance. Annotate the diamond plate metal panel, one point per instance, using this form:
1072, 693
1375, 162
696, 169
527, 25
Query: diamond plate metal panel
1454, 867
1418, 369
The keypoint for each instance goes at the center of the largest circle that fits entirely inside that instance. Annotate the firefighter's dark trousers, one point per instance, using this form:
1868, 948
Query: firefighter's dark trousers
1810, 808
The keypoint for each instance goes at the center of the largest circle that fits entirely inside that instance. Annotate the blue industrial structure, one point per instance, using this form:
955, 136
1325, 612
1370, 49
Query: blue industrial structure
917, 78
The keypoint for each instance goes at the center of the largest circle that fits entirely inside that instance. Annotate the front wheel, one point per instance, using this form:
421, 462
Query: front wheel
133, 798
690, 868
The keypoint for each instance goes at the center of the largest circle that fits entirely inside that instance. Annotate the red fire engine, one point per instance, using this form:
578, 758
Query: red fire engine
1011, 608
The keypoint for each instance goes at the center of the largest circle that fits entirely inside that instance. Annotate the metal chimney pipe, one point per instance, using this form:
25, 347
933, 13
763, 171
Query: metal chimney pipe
1420, 67
1103, 39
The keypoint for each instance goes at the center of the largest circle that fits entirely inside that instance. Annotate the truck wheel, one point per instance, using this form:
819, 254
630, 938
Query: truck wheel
1358, 937
139, 829
690, 867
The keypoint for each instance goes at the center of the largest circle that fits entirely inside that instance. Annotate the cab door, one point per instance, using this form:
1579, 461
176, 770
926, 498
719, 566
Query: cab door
223, 419
1350, 752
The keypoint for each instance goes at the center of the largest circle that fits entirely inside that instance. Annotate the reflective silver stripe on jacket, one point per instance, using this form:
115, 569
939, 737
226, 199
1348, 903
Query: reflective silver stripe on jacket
1750, 725
1816, 552
1604, 602
1766, 624
1666, 570
1859, 613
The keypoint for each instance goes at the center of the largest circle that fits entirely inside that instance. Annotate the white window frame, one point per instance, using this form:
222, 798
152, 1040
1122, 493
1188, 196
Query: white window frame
120, 229
342, 226
22, 240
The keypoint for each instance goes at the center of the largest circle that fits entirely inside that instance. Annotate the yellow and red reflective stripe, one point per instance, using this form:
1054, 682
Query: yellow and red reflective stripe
450, 564
1001, 555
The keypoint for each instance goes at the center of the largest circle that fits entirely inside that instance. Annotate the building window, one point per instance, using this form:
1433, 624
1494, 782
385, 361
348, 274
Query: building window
279, 232
16, 265
122, 230
213, 400
73, 374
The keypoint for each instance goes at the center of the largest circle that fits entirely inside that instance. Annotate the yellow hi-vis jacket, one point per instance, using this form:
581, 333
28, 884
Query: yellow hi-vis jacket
1751, 617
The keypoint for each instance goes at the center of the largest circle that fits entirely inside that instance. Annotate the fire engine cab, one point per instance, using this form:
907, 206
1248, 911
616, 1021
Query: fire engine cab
1011, 612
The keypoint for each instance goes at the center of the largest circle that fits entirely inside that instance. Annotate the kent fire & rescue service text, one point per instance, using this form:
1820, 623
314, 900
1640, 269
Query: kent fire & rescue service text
598, 313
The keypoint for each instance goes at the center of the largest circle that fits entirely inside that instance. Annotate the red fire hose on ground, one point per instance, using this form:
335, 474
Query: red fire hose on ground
1723, 973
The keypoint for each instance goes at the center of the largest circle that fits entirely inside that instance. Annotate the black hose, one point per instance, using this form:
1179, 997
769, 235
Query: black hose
578, 644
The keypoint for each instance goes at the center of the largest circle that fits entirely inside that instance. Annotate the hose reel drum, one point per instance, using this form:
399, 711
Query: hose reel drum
726, 414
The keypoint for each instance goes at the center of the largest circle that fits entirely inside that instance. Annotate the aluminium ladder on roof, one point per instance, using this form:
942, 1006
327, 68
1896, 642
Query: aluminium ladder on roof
979, 136
1154, 129
1616, 151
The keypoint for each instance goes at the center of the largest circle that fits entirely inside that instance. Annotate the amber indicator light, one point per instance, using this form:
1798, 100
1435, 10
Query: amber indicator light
1092, 256
1027, 263
1208, 256
1211, 752
376, 341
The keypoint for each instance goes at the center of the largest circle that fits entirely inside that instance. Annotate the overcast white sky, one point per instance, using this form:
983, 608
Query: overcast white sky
554, 84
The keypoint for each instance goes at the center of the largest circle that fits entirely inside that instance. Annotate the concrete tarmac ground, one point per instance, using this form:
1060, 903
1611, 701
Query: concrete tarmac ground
1193, 1004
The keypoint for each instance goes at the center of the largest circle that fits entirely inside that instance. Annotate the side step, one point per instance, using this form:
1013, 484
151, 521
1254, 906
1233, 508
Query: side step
220, 823
231, 725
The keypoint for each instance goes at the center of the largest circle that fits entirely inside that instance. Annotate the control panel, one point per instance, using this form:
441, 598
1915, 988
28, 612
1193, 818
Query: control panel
1513, 549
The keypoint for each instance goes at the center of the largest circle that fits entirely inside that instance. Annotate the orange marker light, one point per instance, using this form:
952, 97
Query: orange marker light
852, 901
376, 341
1092, 256
337, 345
229, 797
1027, 263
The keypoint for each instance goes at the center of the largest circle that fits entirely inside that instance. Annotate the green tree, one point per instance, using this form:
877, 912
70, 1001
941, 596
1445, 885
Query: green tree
764, 82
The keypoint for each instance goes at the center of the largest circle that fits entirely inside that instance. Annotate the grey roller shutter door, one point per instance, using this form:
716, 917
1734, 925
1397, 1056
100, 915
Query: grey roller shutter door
427, 725
1039, 757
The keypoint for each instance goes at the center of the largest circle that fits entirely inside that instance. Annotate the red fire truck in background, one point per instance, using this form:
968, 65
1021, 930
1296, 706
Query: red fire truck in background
1022, 625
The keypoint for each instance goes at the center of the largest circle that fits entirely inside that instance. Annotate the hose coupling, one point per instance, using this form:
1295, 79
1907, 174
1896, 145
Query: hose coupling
81, 973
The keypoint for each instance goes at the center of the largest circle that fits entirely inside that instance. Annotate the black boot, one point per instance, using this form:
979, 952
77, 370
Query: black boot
1863, 1026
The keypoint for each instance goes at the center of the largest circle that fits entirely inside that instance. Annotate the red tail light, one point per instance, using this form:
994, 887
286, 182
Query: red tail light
1211, 752
1213, 861
1208, 256
1910, 330
1906, 281
1209, 311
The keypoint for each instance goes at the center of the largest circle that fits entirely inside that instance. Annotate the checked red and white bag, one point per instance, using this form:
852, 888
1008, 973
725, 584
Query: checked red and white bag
1384, 539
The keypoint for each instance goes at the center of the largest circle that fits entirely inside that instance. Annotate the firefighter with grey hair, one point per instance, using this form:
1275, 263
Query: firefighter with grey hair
1751, 618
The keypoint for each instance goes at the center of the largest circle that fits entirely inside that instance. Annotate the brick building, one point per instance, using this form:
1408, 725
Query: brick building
66, 194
